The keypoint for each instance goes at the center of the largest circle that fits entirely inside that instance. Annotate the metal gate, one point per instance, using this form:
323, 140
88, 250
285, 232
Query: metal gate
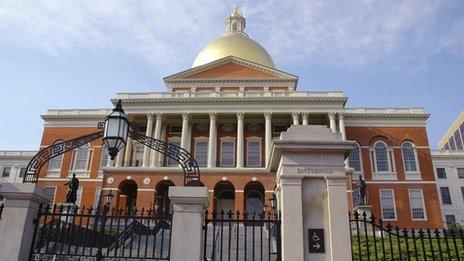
247, 236
372, 239
66, 231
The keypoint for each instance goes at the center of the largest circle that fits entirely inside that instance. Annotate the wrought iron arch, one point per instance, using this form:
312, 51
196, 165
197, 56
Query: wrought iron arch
183, 157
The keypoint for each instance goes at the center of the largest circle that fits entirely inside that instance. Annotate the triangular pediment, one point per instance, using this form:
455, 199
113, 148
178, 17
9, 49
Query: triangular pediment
230, 68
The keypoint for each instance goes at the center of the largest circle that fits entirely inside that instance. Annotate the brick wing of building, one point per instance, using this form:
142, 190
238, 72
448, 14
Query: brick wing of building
226, 111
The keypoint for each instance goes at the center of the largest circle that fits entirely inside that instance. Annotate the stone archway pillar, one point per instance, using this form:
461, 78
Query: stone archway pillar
312, 193
22, 202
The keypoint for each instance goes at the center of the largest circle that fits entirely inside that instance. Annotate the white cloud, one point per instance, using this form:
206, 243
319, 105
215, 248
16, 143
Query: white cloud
354, 34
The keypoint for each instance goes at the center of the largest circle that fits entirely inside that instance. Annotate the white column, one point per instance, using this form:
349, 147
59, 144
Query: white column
268, 137
185, 128
128, 153
341, 124
120, 157
110, 162
22, 202
339, 236
189, 205
160, 160
146, 150
240, 139
333, 125
304, 115
296, 118
212, 140
156, 135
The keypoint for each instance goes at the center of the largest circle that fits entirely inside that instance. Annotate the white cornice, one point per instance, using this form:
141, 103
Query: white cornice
414, 115
447, 155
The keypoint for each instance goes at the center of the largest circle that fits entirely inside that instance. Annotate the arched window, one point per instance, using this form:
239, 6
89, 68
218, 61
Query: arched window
409, 157
224, 195
162, 201
254, 198
354, 159
381, 157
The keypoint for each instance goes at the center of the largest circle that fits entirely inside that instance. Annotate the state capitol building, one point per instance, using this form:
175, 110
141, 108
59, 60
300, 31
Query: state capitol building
227, 110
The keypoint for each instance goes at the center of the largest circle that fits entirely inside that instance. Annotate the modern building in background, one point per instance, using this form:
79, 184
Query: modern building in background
449, 173
13, 165
226, 110
454, 137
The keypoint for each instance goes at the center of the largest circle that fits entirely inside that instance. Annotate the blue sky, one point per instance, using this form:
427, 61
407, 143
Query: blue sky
71, 54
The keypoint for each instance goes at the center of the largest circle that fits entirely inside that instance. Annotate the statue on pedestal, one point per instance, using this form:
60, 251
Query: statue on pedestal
73, 186
362, 190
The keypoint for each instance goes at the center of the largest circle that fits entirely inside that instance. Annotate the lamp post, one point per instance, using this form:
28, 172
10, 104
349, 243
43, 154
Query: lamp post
108, 199
273, 202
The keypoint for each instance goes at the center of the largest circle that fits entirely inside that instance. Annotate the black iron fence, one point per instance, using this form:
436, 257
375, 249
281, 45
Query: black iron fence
100, 233
372, 239
247, 236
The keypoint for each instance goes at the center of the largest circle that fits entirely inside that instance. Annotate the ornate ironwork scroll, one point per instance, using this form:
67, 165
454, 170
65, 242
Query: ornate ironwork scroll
58, 148
182, 156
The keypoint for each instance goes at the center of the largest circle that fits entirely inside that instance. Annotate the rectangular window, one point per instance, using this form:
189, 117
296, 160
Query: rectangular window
55, 163
278, 128
104, 157
356, 198
460, 172
450, 221
81, 156
22, 172
6, 172
96, 200
175, 129
387, 202
446, 146
416, 200
53, 192
138, 156
170, 162
79, 196
227, 153
462, 192
457, 138
254, 153
441, 173
201, 152
445, 195
461, 129
452, 145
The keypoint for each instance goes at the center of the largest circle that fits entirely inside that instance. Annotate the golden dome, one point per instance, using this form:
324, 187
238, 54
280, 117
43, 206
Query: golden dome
236, 43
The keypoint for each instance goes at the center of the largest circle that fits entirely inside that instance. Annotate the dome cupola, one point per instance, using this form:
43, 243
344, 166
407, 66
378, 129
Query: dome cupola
234, 42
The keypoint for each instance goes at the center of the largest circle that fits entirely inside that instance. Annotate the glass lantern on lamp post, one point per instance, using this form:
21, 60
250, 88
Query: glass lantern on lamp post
109, 198
116, 130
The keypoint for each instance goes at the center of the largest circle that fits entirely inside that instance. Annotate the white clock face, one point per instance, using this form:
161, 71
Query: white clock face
110, 180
